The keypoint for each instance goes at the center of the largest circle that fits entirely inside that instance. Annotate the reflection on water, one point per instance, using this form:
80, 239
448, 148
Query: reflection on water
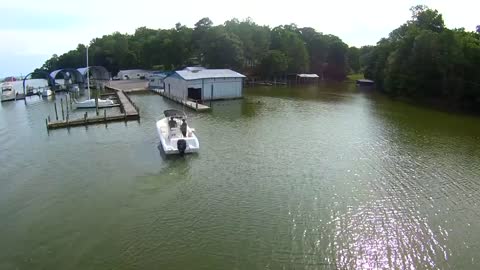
309, 177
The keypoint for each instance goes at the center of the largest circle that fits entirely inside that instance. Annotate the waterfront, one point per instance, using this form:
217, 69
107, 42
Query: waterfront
286, 178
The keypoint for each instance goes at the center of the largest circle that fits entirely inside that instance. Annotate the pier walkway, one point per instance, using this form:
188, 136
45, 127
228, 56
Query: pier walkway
190, 104
128, 111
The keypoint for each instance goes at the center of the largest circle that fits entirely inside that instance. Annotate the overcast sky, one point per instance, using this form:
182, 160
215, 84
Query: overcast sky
31, 30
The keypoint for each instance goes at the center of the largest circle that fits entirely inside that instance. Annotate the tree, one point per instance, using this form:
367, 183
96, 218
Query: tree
287, 39
422, 59
255, 39
199, 34
239, 44
353, 56
336, 61
224, 50
427, 19
273, 64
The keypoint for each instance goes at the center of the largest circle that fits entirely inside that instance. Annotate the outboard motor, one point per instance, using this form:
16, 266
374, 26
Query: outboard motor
181, 146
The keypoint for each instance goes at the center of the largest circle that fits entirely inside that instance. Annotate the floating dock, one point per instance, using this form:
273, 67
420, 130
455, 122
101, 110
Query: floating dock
128, 109
190, 104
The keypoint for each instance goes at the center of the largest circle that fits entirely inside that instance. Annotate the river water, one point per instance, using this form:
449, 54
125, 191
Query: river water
323, 177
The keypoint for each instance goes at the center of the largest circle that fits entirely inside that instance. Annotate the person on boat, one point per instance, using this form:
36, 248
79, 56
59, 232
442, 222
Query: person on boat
183, 128
172, 123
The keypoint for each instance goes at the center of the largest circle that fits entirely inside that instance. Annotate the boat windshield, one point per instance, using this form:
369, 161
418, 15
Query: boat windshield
175, 114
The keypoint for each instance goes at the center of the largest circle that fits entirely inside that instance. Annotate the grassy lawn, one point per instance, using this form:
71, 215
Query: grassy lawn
354, 77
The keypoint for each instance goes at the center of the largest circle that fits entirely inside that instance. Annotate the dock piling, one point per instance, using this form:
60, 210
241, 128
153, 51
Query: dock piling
129, 111
211, 95
56, 114
63, 114
96, 101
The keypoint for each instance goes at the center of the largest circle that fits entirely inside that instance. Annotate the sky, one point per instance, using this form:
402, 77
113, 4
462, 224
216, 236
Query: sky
32, 31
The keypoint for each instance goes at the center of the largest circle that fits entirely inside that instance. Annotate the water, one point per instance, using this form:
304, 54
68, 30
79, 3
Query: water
287, 178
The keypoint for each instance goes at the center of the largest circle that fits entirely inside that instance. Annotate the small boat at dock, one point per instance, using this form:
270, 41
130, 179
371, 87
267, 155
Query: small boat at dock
176, 137
46, 92
8, 93
365, 82
90, 103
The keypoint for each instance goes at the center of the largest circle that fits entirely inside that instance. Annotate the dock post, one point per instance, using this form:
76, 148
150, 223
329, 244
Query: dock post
68, 118
71, 103
56, 114
211, 95
105, 115
46, 123
96, 101
66, 103
49, 118
196, 105
85, 117
63, 114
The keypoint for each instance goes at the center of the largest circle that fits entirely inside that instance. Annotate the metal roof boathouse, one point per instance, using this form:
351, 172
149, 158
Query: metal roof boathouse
199, 84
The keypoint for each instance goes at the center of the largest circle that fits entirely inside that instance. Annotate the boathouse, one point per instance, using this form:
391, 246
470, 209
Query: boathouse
307, 78
204, 84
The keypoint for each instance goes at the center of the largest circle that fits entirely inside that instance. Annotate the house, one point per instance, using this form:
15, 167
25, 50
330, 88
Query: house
204, 84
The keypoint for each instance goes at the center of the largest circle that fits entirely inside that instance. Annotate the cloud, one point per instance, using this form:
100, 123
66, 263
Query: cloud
42, 28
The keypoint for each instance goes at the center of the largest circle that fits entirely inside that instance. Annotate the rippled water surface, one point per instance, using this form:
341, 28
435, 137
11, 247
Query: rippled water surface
287, 178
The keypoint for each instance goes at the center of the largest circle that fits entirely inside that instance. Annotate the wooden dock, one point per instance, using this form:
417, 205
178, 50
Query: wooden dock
128, 111
190, 104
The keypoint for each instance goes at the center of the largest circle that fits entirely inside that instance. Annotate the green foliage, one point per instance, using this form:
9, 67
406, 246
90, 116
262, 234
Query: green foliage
241, 45
353, 56
356, 76
274, 63
424, 59
336, 61
288, 40
224, 50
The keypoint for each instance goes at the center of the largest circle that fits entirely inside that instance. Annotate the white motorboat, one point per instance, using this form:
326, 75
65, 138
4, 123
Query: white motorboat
90, 103
46, 92
8, 93
175, 135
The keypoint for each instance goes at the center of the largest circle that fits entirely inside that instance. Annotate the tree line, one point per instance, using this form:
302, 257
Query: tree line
258, 51
424, 60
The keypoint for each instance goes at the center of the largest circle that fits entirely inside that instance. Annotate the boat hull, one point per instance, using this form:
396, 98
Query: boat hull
169, 142
8, 95
47, 93
90, 103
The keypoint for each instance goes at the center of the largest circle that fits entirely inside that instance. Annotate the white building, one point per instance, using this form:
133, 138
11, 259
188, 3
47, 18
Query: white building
133, 74
204, 84
155, 81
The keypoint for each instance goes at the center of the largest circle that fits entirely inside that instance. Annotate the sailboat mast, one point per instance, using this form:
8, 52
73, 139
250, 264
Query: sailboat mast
88, 76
